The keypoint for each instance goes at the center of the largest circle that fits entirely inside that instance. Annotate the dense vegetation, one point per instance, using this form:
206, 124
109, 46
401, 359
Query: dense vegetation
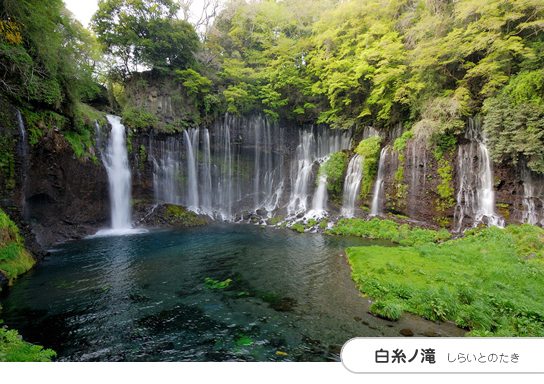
49, 68
490, 281
333, 171
426, 64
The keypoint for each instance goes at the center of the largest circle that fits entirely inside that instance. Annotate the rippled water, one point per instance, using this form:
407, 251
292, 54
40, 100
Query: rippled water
144, 297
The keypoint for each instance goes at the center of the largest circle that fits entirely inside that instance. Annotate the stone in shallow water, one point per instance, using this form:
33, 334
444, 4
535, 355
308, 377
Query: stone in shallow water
406, 332
431, 334
357, 318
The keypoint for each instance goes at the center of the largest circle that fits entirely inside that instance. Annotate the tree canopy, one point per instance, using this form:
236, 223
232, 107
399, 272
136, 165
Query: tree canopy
46, 57
144, 33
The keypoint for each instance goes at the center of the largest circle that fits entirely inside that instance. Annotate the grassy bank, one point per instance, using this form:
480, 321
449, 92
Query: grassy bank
14, 261
403, 234
491, 281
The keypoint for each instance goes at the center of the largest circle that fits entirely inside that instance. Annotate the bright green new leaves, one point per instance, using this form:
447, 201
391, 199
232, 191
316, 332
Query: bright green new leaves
377, 62
359, 62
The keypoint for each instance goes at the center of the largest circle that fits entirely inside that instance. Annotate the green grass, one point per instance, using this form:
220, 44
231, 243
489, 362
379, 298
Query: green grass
483, 281
389, 230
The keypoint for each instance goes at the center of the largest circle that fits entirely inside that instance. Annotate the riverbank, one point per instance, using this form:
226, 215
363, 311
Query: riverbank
15, 261
489, 282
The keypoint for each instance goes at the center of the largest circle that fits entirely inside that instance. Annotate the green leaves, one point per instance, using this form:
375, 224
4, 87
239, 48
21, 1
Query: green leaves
144, 32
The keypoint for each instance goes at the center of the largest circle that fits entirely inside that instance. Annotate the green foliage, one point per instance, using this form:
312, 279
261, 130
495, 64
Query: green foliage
216, 284
370, 62
515, 130
198, 89
177, 215
386, 309
333, 170
144, 33
480, 281
7, 163
139, 119
298, 227
400, 143
13, 349
52, 60
388, 230
526, 87
445, 190
369, 149
14, 259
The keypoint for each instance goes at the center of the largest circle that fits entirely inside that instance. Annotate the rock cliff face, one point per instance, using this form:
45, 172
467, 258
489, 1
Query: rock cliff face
65, 197
160, 96
240, 168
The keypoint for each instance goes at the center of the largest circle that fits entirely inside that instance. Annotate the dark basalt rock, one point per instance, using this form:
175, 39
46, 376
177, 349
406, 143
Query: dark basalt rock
4, 281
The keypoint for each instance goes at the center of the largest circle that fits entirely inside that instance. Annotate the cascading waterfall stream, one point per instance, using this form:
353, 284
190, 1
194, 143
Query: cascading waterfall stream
378, 186
352, 186
313, 147
240, 168
23, 133
417, 185
25, 162
301, 170
191, 143
319, 201
115, 160
476, 196
533, 186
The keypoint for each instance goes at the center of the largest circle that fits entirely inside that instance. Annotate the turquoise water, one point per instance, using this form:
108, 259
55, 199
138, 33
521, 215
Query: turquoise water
158, 296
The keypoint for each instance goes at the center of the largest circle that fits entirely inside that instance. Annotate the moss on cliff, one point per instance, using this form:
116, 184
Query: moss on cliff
370, 150
14, 259
333, 170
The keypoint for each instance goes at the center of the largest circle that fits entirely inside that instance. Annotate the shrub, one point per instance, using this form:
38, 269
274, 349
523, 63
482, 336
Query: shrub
370, 150
386, 309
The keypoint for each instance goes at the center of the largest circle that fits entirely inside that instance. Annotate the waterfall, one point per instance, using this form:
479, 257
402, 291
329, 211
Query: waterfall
418, 158
239, 167
224, 184
378, 186
116, 163
319, 202
316, 144
268, 177
301, 170
206, 184
23, 134
25, 163
352, 186
167, 170
532, 190
475, 196
191, 144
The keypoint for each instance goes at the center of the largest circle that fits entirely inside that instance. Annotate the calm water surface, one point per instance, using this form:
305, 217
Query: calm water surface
145, 297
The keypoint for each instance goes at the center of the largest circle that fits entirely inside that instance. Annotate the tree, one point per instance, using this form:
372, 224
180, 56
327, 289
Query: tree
46, 57
144, 32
